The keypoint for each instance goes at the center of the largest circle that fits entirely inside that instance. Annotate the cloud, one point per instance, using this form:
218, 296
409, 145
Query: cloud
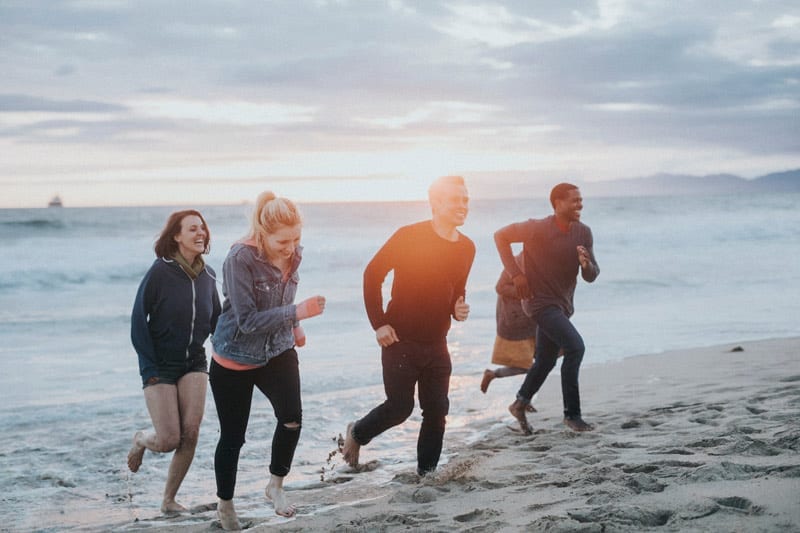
589, 86
499, 26
21, 103
439, 112
224, 112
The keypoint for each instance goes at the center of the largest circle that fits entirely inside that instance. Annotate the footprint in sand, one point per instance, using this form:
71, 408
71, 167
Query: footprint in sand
477, 514
740, 504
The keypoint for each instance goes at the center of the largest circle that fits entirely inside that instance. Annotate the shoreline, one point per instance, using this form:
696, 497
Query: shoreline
703, 439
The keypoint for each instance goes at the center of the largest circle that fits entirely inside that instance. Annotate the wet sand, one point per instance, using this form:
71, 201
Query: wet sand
705, 439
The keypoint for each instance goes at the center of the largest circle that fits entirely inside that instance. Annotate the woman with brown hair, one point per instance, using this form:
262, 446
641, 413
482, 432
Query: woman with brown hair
175, 310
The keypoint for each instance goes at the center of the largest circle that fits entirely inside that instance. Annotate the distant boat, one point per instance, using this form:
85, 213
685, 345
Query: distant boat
55, 201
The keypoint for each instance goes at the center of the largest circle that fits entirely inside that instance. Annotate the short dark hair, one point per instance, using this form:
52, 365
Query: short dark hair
165, 244
560, 192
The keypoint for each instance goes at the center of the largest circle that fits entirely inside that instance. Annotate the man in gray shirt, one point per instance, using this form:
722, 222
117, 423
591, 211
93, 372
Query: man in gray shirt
556, 248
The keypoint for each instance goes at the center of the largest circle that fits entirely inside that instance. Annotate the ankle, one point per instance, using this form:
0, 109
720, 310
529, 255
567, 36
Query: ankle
227, 515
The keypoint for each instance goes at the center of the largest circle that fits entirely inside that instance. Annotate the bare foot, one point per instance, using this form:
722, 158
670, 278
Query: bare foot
578, 424
136, 453
488, 376
277, 496
172, 507
351, 448
517, 409
227, 516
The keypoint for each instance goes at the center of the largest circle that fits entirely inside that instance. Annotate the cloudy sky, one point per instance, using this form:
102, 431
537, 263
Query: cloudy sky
130, 102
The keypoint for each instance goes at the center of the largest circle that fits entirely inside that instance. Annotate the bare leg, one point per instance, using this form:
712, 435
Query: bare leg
275, 493
488, 376
351, 448
507, 371
500, 372
227, 515
162, 403
191, 402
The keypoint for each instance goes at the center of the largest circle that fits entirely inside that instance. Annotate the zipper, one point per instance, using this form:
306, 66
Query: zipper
194, 312
194, 317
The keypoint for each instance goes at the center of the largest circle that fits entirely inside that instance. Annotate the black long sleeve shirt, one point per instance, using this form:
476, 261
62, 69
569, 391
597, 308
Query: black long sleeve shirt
429, 275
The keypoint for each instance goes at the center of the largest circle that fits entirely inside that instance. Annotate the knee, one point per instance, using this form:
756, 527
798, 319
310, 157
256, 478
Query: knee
436, 411
292, 422
573, 354
292, 426
543, 364
190, 436
399, 411
167, 442
230, 442
574, 349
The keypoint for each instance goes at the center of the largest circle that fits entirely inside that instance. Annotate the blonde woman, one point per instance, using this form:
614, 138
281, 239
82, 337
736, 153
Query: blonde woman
254, 347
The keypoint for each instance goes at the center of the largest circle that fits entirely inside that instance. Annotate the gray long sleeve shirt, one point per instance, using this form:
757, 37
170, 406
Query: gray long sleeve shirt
551, 259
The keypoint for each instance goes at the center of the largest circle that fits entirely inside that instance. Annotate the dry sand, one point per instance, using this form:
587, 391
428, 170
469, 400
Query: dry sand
704, 439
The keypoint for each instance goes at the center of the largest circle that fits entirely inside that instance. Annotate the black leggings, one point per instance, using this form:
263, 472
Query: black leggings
279, 381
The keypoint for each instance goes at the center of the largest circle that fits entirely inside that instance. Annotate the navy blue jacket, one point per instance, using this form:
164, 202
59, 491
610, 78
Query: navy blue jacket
173, 315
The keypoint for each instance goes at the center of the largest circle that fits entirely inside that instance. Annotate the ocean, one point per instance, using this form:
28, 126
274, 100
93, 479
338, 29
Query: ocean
676, 272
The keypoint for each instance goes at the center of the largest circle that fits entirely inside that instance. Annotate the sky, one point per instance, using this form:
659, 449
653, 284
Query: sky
140, 102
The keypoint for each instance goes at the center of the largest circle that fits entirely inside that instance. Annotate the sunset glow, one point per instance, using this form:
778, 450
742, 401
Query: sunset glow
105, 105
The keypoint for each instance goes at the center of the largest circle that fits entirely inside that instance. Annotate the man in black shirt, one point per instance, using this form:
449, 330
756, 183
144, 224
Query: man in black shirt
430, 261
555, 249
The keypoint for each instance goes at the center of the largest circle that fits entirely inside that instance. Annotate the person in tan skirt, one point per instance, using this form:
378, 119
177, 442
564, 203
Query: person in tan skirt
515, 341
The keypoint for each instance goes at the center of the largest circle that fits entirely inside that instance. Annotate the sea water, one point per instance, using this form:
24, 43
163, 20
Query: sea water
676, 272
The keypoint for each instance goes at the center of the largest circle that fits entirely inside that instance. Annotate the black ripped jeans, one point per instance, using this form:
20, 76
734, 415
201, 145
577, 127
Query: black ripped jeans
279, 381
406, 364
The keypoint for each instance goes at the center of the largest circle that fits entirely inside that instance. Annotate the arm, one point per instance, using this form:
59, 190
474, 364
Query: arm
140, 331
216, 308
239, 283
589, 268
460, 306
374, 275
503, 238
505, 286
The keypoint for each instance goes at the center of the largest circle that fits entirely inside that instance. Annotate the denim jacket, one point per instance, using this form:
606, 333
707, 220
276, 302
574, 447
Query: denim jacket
258, 313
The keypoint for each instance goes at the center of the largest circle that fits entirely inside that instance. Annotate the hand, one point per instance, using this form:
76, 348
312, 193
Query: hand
310, 307
583, 257
299, 336
461, 309
523, 289
386, 335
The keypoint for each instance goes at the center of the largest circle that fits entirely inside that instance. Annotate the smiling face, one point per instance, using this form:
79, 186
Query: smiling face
282, 243
450, 204
568, 208
193, 237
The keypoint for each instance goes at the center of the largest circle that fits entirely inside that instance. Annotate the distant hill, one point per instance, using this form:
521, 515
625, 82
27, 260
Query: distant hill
677, 184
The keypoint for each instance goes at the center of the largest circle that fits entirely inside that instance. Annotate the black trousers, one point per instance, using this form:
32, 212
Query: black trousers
407, 364
279, 381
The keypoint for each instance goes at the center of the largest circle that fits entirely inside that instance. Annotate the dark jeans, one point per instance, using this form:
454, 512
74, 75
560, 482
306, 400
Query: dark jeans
556, 332
279, 381
405, 364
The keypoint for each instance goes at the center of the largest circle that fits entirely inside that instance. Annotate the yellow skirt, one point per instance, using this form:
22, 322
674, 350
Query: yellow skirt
517, 354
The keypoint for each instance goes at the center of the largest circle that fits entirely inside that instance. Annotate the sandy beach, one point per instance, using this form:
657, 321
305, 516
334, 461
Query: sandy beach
705, 439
